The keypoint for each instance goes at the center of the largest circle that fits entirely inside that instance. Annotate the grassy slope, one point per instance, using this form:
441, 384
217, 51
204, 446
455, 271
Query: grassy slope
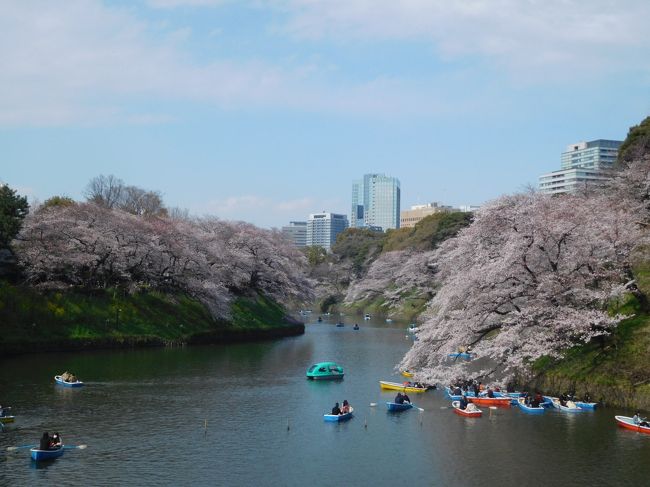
30, 317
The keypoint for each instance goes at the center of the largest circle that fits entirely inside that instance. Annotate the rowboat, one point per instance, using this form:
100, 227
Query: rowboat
463, 355
571, 409
393, 406
491, 401
586, 405
7, 419
628, 423
38, 455
470, 411
338, 417
396, 386
406, 373
450, 395
340, 325
521, 402
325, 371
355, 327
61, 382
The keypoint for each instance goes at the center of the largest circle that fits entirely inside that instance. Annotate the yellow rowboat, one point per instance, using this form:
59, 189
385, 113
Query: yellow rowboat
6, 419
396, 386
406, 373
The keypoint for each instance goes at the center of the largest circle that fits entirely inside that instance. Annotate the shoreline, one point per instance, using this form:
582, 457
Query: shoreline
215, 337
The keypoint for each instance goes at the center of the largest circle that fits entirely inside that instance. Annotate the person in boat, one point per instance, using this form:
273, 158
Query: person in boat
457, 391
3, 412
537, 400
463, 402
563, 400
399, 398
407, 399
586, 397
639, 421
44, 444
336, 410
345, 409
55, 441
490, 392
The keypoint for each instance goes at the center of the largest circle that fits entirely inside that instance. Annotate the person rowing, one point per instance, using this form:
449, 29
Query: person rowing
639, 421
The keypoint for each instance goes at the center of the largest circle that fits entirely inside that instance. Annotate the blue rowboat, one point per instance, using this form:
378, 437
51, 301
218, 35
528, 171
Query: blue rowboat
463, 355
61, 382
393, 406
453, 397
38, 455
586, 405
338, 417
569, 409
529, 409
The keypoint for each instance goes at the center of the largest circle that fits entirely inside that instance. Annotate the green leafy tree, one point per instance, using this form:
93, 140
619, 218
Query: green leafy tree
57, 202
636, 144
13, 209
315, 254
428, 233
358, 245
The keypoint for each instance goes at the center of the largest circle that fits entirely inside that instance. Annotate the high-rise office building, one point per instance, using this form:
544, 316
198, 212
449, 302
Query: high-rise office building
583, 164
323, 228
296, 232
376, 202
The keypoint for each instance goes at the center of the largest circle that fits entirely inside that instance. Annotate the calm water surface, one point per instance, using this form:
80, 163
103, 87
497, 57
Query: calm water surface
142, 415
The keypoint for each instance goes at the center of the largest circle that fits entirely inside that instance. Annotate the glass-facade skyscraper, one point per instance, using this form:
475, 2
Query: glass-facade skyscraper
375, 202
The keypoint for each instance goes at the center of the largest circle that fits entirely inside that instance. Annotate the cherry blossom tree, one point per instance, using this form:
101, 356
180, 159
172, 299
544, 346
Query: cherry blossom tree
531, 276
394, 274
92, 246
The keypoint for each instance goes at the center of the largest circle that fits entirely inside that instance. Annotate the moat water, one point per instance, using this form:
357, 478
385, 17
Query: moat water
246, 415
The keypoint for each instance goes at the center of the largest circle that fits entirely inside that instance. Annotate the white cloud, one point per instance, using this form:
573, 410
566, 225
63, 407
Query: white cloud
89, 63
522, 35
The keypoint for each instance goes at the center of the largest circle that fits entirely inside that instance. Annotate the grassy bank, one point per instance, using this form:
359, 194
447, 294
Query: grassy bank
614, 370
409, 307
65, 319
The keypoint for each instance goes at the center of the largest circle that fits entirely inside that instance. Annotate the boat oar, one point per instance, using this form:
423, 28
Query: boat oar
14, 448
75, 447
419, 409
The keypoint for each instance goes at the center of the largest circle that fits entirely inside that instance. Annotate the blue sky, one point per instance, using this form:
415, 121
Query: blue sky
266, 111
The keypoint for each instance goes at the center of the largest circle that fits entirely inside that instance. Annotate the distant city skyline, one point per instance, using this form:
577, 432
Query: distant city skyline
265, 111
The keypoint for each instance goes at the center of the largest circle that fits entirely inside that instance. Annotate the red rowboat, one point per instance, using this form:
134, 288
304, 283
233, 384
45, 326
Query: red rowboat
491, 401
628, 423
468, 413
